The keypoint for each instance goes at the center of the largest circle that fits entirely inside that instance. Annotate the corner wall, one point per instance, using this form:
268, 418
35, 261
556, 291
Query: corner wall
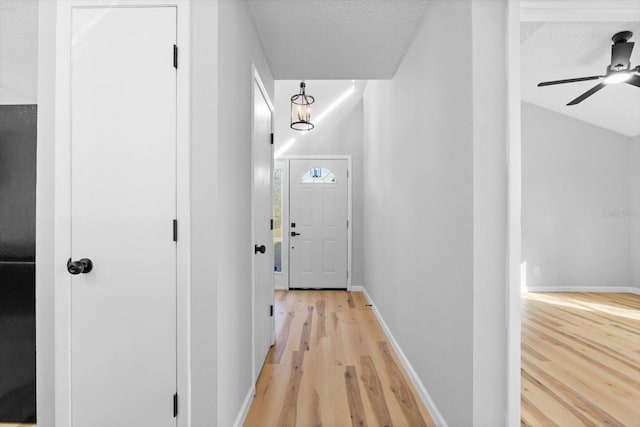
239, 47
576, 208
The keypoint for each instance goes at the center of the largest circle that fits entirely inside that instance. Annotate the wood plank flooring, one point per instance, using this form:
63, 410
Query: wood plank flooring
332, 366
580, 359
16, 425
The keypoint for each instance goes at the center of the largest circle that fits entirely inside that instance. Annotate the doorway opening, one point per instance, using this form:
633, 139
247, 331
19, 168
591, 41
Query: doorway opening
549, 258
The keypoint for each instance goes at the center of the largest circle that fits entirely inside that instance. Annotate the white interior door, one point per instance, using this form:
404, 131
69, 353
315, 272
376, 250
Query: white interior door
262, 233
318, 209
123, 192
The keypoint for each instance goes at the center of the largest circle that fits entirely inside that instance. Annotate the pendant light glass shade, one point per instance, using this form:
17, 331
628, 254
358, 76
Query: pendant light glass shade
301, 110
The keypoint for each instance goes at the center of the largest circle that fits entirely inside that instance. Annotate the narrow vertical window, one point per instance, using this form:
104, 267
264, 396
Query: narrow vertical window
277, 219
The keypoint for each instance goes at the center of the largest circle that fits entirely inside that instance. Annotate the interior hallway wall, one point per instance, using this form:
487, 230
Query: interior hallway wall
418, 197
204, 208
340, 133
435, 203
634, 214
239, 47
45, 215
576, 207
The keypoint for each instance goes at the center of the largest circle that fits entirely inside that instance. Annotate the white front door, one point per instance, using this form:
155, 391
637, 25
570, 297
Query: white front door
262, 233
123, 203
318, 223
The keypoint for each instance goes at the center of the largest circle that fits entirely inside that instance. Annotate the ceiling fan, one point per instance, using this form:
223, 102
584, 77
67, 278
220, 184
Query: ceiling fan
619, 71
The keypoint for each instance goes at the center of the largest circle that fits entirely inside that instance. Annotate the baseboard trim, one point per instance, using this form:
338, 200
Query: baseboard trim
594, 289
413, 376
244, 409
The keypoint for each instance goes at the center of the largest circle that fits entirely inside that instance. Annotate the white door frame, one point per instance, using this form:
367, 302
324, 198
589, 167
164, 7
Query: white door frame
257, 80
62, 279
286, 228
534, 11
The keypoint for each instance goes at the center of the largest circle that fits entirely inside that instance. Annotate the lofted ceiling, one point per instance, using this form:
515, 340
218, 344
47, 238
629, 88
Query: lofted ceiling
559, 50
336, 39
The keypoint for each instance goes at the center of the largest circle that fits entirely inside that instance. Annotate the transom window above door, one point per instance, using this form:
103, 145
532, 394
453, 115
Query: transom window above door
318, 175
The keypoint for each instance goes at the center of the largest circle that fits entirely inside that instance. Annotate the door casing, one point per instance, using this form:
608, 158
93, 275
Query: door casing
284, 276
62, 214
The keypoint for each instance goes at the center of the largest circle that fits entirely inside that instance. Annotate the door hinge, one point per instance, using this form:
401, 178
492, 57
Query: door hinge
175, 405
271, 222
347, 223
271, 138
175, 56
271, 311
347, 173
175, 230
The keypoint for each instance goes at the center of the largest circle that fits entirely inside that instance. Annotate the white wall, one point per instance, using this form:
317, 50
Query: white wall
18, 51
635, 210
204, 226
489, 77
435, 191
340, 132
45, 205
576, 204
238, 46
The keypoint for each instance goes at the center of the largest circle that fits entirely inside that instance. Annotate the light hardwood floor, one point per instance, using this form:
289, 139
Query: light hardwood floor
16, 425
332, 366
580, 359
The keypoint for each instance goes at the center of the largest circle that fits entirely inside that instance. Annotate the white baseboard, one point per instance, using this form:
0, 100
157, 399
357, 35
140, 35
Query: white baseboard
595, 289
244, 409
413, 376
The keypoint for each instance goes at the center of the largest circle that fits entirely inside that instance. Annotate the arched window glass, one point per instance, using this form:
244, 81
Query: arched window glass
319, 175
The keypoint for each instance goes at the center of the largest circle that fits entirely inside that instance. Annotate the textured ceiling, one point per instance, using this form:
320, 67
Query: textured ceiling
336, 39
559, 50
18, 51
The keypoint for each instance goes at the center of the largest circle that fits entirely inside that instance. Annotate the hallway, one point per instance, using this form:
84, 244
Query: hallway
332, 365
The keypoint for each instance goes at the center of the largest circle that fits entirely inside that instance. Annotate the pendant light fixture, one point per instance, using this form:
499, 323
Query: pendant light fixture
301, 110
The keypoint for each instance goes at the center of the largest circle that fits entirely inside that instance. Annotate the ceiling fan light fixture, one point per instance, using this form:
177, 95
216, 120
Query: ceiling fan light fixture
618, 77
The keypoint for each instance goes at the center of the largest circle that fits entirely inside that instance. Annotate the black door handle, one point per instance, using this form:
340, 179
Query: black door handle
262, 249
294, 234
83, 265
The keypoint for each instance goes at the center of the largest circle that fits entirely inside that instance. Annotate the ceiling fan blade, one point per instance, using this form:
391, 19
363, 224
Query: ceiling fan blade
587, 94
634, 80
559, 82
620, 55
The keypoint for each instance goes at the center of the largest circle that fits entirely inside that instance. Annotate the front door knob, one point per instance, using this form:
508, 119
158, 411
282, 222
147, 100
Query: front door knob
294, 234
83, 265
262, 249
